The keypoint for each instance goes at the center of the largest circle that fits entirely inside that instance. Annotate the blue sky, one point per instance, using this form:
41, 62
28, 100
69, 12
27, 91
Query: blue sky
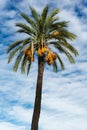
64, 102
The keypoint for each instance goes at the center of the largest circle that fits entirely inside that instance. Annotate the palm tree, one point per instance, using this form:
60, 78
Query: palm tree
44, 32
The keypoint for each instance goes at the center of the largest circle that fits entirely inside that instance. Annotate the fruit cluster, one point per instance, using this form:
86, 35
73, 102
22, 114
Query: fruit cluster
55, 33
28, 53
50, 57
41, 51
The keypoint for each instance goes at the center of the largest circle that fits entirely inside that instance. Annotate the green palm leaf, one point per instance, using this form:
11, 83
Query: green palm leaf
53, 13
17, 43
28, 67
17, 61
14, 45
67, 34
61, 62
27, 28
63, 50
44, 14
69, 47
12, 54
29, 20
22, 31
69, 56
51, 19
35, 15
23, 64
55, 66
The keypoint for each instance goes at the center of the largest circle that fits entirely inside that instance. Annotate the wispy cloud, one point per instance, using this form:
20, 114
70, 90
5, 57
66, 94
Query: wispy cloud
9, 126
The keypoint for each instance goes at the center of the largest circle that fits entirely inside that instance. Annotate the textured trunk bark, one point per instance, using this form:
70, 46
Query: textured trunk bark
37, 104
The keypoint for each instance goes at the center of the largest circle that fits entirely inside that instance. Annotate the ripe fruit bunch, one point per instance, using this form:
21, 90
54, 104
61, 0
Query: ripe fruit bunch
54, 56
50, 57
28, 53
55, 33
41, 51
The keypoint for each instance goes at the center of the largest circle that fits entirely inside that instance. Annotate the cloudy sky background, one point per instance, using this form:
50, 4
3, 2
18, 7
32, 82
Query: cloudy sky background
64, 102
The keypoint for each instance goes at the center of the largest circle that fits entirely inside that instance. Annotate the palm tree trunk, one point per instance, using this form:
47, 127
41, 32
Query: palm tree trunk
37, 104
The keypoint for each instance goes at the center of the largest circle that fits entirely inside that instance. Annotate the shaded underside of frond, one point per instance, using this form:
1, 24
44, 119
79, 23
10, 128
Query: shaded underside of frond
55, 66
61, 62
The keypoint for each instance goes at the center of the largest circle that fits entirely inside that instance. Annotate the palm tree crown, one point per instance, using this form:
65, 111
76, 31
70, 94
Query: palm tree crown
43, 30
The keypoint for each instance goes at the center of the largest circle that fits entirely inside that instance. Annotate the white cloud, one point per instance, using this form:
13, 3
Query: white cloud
9, 126
85, 10
75, 24
66, 124
21, 114
3, 4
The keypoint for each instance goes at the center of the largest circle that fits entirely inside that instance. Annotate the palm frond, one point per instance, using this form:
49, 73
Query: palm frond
22, 31
17, 43
58, 25
62, 24
12, 54
67, 34
28, 67
51, 19
55, 66
17, 61
13, 45
48, 28
69, 56
61, 62
69, 47
23, 64
56, 45
27, 28
44, 14
52, 16
35, 15
63, 50
29, 20
53, 13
